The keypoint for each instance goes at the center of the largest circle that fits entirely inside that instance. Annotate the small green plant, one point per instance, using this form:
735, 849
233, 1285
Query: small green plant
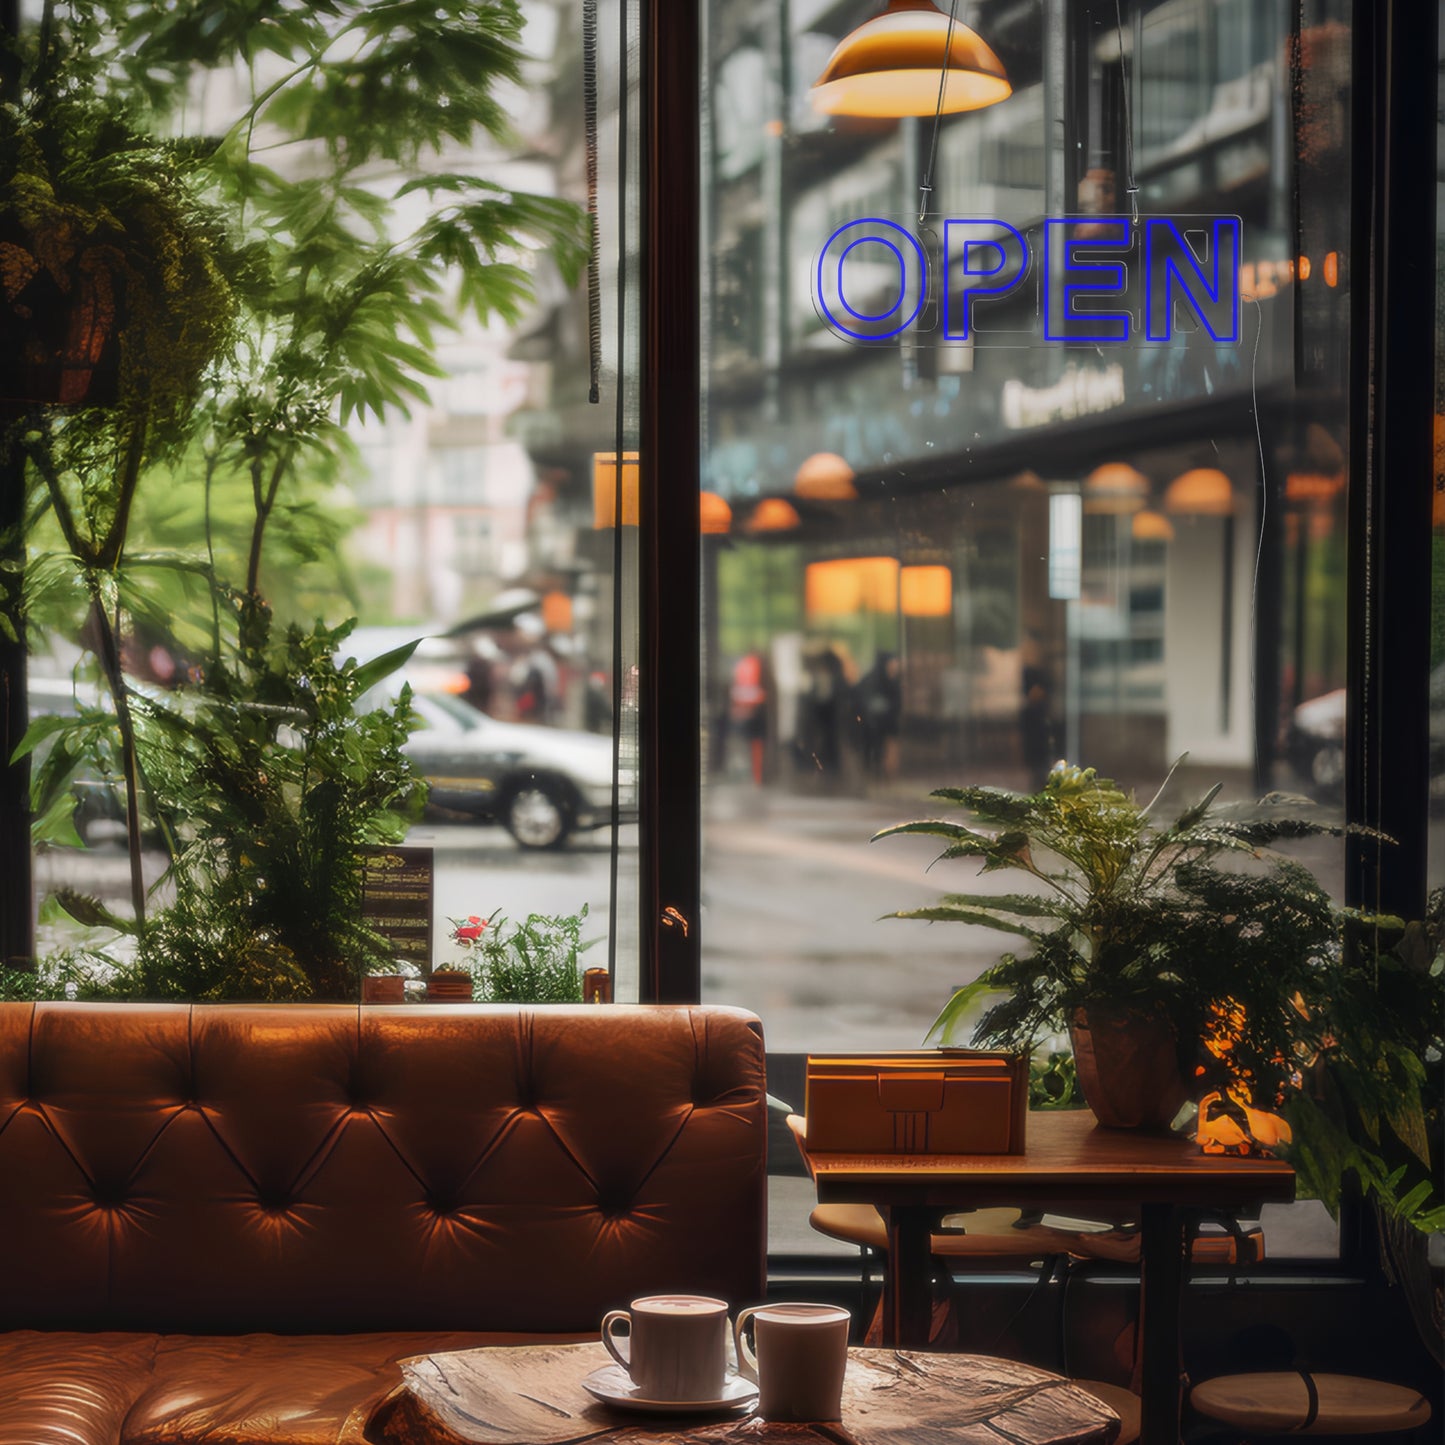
531, 962
1372, 1101
1186, 915
269, 787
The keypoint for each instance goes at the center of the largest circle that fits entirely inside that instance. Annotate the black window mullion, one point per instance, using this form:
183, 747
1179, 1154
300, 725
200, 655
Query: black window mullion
1392, 286
668, 683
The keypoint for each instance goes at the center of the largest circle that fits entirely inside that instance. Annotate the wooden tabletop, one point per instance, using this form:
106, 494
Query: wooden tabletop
532, 1395
1068, 1158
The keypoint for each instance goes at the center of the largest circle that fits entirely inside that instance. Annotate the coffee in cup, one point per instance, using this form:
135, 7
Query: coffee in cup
800, 1356
676, 1348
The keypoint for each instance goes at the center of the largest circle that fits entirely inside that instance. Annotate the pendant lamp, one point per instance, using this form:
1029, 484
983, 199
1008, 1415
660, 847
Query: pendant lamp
1200, 492
1116, 489
889, 67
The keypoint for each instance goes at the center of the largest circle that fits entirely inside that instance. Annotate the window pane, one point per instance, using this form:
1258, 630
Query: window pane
958, 559
472, 518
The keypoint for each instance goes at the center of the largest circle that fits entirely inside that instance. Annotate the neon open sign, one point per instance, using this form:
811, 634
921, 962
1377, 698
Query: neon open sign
1099, 280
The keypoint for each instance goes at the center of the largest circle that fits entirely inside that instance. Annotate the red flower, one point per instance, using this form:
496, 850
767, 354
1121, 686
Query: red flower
471, 930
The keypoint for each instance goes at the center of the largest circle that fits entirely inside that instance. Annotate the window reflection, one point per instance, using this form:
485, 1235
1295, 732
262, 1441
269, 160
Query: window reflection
1118, 553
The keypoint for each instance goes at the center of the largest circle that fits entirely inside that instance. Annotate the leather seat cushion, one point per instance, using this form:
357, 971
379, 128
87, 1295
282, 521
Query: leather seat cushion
62, 1388
261, 1389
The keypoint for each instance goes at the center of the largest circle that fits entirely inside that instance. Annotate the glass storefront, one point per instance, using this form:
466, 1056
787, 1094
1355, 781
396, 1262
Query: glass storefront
954, 561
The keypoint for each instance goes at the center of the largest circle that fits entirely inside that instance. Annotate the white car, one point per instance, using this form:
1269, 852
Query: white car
540, 783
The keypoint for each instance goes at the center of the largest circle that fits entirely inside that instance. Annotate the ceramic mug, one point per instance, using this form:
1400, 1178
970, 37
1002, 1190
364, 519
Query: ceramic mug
802, 1351
677, 1345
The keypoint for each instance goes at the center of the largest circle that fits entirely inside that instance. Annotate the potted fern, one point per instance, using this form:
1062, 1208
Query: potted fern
1145, 938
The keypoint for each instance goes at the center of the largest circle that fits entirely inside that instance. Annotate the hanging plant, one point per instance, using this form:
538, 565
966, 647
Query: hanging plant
112, 275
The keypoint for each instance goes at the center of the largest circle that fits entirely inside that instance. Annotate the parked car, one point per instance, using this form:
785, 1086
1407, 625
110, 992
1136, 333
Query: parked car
540, 783
1315, 739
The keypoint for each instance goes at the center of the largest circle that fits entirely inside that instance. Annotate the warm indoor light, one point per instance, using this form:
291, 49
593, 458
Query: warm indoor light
557, 610
773, 514
825, 477
890, 67
1312, 486
1115, 488
604, 489
926, 591
1151, 526
847, 585
1201, 492
715, 517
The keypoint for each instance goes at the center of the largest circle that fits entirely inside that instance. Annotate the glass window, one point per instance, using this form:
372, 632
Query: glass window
470, 507
957, 561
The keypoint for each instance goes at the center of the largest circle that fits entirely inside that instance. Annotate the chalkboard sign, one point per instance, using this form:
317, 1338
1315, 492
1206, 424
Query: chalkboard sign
396, 900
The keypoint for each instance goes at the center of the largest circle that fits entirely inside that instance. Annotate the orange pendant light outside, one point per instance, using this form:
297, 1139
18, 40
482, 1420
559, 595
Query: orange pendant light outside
773, 514
889, 67
1115, 489
1201, 492
1150, 526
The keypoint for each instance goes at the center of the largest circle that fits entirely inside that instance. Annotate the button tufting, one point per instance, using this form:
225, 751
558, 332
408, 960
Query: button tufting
274, 1201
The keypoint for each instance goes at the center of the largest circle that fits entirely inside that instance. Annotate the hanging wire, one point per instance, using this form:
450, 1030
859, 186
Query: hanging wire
594, 254
925, 190
1133, 189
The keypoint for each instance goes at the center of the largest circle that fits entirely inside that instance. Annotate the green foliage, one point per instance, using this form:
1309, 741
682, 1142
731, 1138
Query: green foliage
531, 962
97, 212
1054, 1082
271, 787
263, 309
1373, 1101
1184, 914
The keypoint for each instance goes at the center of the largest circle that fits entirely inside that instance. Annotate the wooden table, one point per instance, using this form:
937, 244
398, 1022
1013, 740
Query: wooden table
1069, 1164
533, 1395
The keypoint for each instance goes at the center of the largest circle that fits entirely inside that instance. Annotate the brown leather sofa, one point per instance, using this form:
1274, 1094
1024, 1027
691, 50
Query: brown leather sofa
226, 1223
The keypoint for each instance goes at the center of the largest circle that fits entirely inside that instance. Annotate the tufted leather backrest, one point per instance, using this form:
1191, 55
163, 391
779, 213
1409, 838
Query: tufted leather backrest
288, 1168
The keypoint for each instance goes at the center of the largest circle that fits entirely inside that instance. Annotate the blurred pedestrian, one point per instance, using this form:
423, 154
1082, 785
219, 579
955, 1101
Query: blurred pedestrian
748, 709
1036, 724
880, 712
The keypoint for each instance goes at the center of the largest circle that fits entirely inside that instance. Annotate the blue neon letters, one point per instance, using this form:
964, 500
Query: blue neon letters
1100, 280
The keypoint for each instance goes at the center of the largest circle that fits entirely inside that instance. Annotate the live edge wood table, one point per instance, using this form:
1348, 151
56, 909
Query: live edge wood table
533, 1395
1069, 1162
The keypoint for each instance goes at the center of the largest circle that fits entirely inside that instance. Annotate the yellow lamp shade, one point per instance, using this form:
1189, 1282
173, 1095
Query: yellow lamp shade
926, 591
1200, 492
715, 517
825, 477
773, 514
604, 489
1150, 526
1115, 489
890, 67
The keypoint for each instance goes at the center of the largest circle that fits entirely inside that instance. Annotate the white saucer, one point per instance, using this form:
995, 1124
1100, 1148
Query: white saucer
613, 1386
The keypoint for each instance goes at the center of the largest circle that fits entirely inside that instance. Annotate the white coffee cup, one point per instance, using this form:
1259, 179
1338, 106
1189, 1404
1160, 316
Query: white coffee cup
677, 1346
802, 1352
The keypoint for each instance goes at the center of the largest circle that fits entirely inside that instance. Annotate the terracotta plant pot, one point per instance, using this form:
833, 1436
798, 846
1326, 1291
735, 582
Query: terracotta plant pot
1128, 1065
383, 988
449, 986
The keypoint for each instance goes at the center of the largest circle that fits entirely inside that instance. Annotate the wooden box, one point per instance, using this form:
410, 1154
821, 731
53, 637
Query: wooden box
948, 1101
